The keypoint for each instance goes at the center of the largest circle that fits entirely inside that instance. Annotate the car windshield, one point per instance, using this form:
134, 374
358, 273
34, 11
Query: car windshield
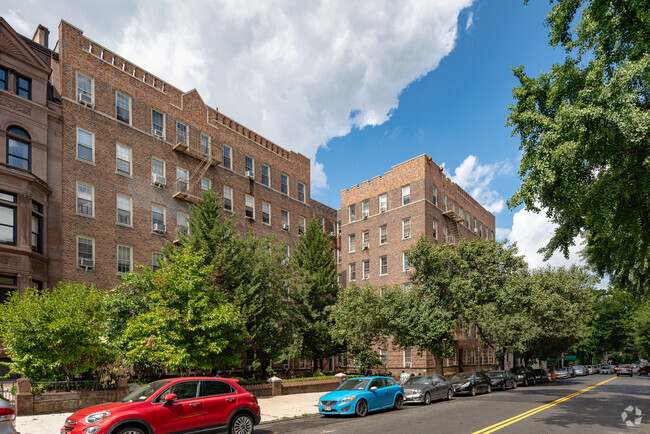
606, 367
354, 385
418, 380
462, 376
145, 392
495, 374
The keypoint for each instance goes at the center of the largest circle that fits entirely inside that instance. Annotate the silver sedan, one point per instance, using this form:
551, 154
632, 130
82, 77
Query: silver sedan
7, 417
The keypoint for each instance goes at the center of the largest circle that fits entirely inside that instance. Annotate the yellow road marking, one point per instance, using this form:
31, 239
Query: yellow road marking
505, 423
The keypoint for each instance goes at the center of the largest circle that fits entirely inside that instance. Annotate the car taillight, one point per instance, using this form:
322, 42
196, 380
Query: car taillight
254, 398
7, 414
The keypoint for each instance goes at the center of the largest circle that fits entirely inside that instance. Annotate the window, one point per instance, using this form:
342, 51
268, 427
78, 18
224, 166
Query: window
24, 87
474, 220
182, 224
435, 229
156, 260
352, 271
85, 251
250, 207
37, 227
285, 219
8, 283
365, 239
157, 123
85, 196
8, 215
383, 234
468, 218
266, 175
353, 213
284, 184
249, 166
321, 223
85, 145
123, 210
365, 209
123, 159
406, 228
205, 146
435, 196
383, 357
227, 198
123, 259
287, 253
383, 266
352, 243
181, 133
158, 218
444, 202
406, 195
206, 185
406, 265
122, 107
227, 157
19, 148
266, 213
338, 256
213, 388
181, 180
301, 192
383, 202
157, 167
408, 357
84, 88
444, 235
366, 269
4, 74
302, 223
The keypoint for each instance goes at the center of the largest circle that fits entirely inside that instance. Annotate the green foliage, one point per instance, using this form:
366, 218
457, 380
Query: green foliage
584, 131
642, 329
54, 334
189, 325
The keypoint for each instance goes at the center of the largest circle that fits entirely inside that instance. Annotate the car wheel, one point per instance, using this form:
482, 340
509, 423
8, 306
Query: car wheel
450, 394
489, 389
241, 424
361, 409
473, 391
514, 385
427, 398
399, 402
526, 382
130, 430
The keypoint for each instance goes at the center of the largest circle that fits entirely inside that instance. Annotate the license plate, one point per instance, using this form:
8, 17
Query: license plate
327, 408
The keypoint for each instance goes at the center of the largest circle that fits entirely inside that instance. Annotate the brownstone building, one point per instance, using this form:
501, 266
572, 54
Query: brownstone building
380, 220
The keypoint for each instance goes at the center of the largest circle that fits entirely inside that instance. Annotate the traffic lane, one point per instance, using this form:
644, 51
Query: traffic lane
462, 414
599, 410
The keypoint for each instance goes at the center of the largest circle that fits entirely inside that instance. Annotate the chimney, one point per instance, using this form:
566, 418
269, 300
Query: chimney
41, 36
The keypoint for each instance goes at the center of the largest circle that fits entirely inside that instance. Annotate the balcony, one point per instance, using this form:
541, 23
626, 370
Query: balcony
183, 192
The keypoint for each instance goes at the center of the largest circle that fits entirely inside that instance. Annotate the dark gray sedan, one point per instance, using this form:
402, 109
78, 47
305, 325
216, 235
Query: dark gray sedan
502, 379
424, 388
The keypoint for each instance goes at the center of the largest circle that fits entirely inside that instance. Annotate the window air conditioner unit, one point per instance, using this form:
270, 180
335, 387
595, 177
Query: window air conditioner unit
285, 226
157, 179
250, 174
475, 230
86, 263
159, 228
158, 133
366, 246
85, 99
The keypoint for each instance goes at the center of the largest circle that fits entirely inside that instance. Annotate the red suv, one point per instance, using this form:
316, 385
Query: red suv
177, 405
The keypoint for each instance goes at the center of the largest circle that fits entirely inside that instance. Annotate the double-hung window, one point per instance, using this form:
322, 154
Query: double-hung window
182, 134
205, 146
302, 223
366, 270
249, 166
123, 157
383, 202
353, 213
158, 217
37, 227
24, 87
383, 234
227, 157
85, 251
19, 148
123, 209
301, 192
352, 243
84, 89
206, 185
408, 357
266, 213
85, 199
4, 77
284, 184
406, 265
365, 209
285, 219
435, 229
122, 108
434, 199
124, 259
182, 224
85, 145
444, 202
352, 273
383, 266
157, 123
406, 194
8, 214
365, 239
250, 207
181, 180
227, 198
406, 228
266, 175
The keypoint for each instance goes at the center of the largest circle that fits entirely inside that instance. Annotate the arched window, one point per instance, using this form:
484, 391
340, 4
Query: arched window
19, 148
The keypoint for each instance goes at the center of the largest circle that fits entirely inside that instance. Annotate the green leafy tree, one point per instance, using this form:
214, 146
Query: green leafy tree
585, 136
315, 285
190, 324
55, 334
642, 329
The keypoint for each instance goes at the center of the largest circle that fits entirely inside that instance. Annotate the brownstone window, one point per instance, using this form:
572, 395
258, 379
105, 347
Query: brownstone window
122, 108
19, 148
4, 74
24, 87
266, 175
37, 227
284, 184
8, 214
8, 283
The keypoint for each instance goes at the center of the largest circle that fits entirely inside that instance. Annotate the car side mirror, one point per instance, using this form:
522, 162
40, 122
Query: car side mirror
168, 399
373, 388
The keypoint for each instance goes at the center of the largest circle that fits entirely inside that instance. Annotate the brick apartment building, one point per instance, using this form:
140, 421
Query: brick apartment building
380, 220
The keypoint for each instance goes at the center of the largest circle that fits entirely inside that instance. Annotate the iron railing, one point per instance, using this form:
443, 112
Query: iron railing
68, 386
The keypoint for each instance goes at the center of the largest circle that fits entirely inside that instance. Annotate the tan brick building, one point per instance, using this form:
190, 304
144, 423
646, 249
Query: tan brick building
380, 220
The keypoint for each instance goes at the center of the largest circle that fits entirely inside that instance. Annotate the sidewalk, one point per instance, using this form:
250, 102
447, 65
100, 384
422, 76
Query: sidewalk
273, 408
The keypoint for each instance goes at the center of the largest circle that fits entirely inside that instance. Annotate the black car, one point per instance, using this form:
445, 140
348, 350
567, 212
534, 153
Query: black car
471, 382
524, 375
541, 376
502, 379
424, 388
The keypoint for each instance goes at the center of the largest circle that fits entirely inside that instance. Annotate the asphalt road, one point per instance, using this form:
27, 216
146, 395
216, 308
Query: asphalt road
579, 405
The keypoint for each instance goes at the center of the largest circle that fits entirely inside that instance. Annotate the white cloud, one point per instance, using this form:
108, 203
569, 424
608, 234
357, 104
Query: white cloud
475, 178
502, 233
294, 71
470, 21
18, 24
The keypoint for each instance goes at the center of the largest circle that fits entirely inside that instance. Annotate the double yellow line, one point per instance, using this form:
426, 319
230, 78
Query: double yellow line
505, 423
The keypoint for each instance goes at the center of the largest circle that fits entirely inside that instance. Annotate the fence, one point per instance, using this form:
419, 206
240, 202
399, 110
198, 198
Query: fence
6, 391
68, 386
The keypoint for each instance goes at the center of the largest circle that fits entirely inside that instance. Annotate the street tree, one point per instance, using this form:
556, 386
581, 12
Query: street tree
585, 136
642, 329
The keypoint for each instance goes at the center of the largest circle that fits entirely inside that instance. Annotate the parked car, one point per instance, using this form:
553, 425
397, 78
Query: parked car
644, 370
471, 382
502, 379
571, 371
541, 376
7, 417
596, 369
524, 375
624, 370
561, 373
580, 370
362, 395
607, 369
424, 388
174, 405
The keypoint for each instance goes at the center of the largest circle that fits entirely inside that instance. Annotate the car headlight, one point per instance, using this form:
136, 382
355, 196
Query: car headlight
519, 377
464, 385
92, 429
96, 417
348, 399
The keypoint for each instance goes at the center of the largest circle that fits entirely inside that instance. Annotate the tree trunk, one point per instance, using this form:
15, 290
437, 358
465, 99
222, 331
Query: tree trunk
440, 366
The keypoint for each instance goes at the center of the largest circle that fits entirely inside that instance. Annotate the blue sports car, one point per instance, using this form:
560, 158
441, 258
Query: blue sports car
361, 395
